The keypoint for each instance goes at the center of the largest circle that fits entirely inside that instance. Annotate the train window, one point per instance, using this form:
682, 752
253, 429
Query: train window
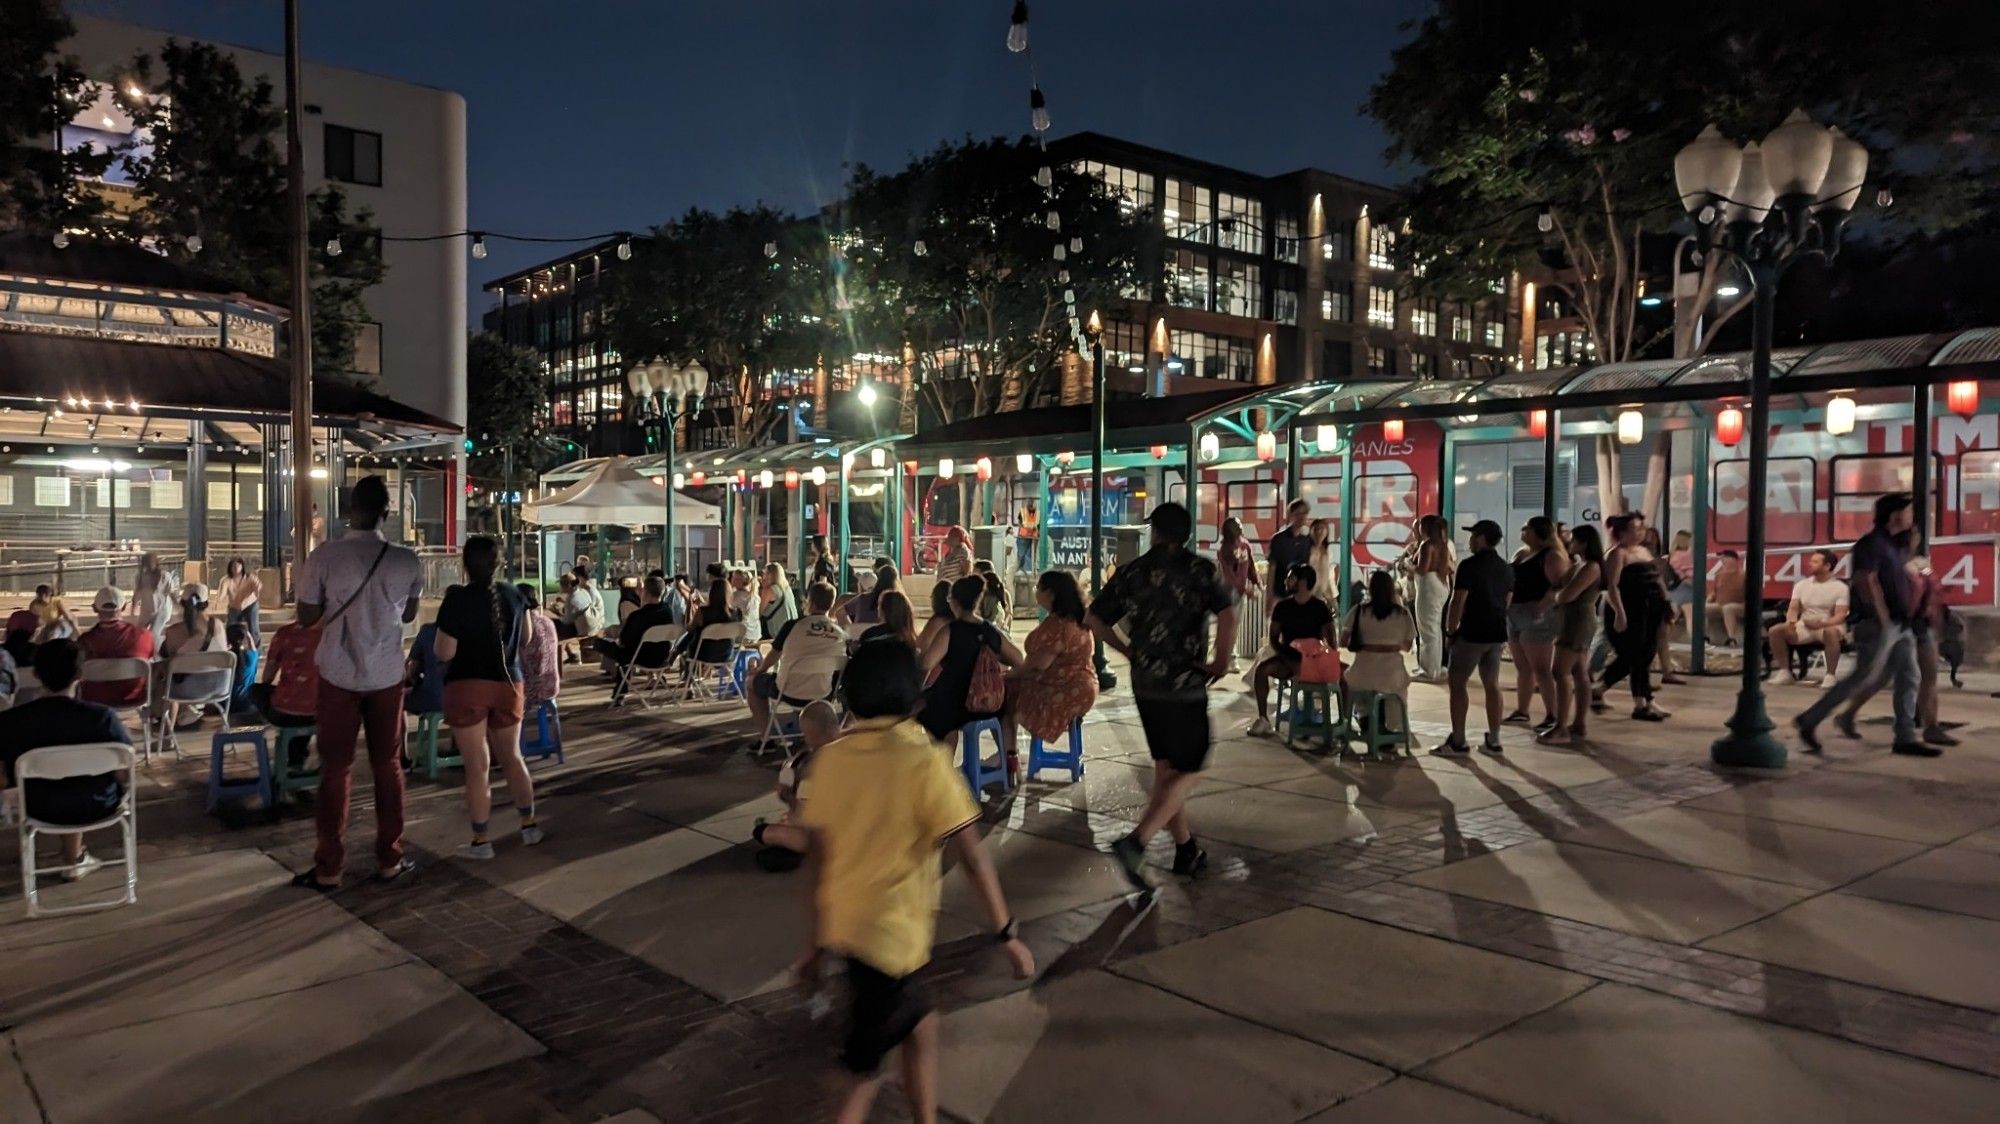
1978, 493
1384, 507
1859, 480
1790, 500
1254, 503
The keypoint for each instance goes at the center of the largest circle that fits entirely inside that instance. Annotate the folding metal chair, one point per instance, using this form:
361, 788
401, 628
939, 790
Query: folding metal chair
124, 669
186, 693
53, 763
644, 676
713, 656
811, 680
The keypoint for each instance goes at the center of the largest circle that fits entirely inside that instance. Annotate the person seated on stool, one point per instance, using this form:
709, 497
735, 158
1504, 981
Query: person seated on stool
1300, 615
1817, 615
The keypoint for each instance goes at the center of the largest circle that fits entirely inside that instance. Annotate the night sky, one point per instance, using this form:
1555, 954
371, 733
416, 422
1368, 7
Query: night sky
590, 115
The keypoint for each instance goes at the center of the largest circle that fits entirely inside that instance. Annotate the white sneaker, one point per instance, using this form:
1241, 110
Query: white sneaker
1262, 728
479, 852
1826, 684
84, 867
530, 835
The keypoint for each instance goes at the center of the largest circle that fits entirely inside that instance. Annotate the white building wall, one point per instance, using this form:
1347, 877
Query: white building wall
421, 301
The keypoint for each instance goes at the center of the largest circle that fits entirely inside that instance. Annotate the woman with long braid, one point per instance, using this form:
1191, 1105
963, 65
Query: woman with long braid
480, 629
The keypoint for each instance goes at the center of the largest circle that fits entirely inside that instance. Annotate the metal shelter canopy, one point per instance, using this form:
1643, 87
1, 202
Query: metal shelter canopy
1130, 423
802, 455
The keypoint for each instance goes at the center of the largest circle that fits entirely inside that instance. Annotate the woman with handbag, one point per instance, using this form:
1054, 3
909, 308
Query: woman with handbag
969, 656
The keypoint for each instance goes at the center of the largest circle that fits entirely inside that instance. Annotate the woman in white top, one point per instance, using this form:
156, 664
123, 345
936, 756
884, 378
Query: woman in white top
954, 562
197, 630
152, 605
1379, 634
1432, 581
239, 594
1320, 558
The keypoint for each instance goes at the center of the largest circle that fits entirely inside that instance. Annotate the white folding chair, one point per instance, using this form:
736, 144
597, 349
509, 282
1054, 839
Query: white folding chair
124, 669
714, 655
811, 680
189, 692
645, 674
54, 763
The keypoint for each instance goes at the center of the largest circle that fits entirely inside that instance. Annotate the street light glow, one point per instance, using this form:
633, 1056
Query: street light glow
867, 394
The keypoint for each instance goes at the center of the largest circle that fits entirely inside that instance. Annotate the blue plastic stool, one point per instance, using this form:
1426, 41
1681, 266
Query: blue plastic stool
976, 774
220, 786
432, 762
1315, 710
738, 680
283, 779
1040, 756
547, 741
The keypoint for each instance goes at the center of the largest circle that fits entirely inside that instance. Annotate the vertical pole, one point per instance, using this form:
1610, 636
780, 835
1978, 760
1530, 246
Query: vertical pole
1044, 549
892, 512
300, 336
844, 543
235, 502
1448, 483
1293, 469
667, 482
1345, 540
1104, 677
110, 480
1191, 475
1922, 441
1750, 741
196, 494
1551, 446
1698, 616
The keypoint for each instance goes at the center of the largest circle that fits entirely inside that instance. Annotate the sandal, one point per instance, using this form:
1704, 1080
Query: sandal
309, 880
1517, 716
395, 874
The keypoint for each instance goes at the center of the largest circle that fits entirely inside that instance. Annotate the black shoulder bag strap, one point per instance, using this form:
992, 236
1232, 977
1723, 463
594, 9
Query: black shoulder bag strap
327, 621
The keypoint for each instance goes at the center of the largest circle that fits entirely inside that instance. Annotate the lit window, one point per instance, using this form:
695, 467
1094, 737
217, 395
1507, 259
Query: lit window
1422, 365
1381, 306
1380, 361
1188, 213
1239, 288
1381, 248
1333, 245
1285, 306
1285, 240
1424, 319
1496, 334
1239, 223
1337, 304
1461, 329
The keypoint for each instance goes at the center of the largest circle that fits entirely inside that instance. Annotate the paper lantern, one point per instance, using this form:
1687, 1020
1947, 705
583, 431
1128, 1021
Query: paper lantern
910, 467
1267, 446
679, 481
877, 457
983, 468
1962, 397
1159, 452
765, 479
1538, 423
1024, 462
1840, 415
1729, 426
700, 478
819, 474
741, 477
791, 478
1065, 457
946, 469
1631, 427
1326, 438
1392, 430
1210, 446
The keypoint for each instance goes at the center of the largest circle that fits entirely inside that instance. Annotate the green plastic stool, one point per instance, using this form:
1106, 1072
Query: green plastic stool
1375, 733
283, 779
428, 757
1312, 708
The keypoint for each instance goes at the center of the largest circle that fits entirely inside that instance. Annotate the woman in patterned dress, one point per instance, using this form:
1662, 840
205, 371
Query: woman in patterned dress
1058, 683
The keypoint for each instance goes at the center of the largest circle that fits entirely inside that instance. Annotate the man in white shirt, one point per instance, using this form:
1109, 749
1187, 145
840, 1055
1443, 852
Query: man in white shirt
806, 655
361, 591
1817, 614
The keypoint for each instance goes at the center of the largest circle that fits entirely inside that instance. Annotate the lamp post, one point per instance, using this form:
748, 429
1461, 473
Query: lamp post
1094, 331
1766, 206
669, 391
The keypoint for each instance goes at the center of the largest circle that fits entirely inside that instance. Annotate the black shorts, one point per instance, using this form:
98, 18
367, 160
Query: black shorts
73, 800
883, 1011
1176, 729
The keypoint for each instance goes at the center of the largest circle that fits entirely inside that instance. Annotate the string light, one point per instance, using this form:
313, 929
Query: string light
1017, 28
1038, 109
479, 245
333, 246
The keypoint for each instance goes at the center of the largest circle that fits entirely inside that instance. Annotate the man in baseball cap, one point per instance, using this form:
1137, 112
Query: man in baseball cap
1477, 625
113, 638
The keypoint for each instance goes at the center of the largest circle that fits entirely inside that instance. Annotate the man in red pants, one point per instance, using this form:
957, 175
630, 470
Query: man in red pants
361, 591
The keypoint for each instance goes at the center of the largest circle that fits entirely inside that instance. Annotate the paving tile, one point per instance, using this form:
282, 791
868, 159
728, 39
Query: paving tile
1407, 786
1988, 840
329, 1047
1310, 973
281, 942
1040, 877
1974, 763
1258, 762
1956, 879
1906, 948
17, 1101
1527, 769
1619, 1053
1645, 896
1918, 810
170, 890
692, 796
1282, 821
1108, 1050
1796, 854
1407, 1099
1111, 785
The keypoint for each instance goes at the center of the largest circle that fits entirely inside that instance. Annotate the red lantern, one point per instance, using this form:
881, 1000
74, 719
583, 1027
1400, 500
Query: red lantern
700, 478
1065, 457
791, 478
910, 467
1267, 446
983, 468
1538, 423
1392, 430
1962, 397
1159, 452
740, 477
1729, 426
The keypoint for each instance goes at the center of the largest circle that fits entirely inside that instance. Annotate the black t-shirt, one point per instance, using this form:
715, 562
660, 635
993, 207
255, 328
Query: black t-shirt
1486, 579
645, 617
469, 615
1289, 548
61, 720
1878, 554
1292, 620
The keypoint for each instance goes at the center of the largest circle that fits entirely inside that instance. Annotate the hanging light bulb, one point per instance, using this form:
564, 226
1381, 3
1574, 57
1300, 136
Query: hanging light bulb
194, 243
1069, 296
1538, 423
1545, 221
1840, 415
1325, 437
1267, 446
946, 469
1017, 28
1054, 221
770, 249
1044, 176
1210, 447
1062, 276
1631, 427
333, 246
819, 474
920, 249
983, 468
1060, 253
1729, 425
1024, 462
625, 249
877, 457
1392, 430
1076, 244
1038, 109
479, 246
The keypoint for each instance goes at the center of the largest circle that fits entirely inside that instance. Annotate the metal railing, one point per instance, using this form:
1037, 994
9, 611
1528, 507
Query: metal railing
78, 572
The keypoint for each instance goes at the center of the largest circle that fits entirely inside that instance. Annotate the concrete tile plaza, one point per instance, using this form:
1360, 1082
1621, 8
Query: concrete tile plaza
1619, 934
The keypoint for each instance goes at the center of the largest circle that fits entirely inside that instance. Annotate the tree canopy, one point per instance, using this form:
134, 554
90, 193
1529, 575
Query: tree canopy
41, 90
503, 414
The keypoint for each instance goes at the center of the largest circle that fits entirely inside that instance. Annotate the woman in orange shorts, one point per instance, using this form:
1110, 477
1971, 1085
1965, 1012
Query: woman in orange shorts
480, 628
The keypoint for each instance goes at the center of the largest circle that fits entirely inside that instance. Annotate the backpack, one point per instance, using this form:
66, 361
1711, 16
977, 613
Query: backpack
987, 692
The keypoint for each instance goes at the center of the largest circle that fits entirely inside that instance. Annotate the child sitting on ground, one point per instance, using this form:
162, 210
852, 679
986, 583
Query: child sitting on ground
784, 842
884, 801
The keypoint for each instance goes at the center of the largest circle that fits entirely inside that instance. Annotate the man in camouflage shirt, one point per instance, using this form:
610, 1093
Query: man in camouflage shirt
1167, 596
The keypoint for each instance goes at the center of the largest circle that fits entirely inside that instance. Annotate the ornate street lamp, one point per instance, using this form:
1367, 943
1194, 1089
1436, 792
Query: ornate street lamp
664, 394
1766, 206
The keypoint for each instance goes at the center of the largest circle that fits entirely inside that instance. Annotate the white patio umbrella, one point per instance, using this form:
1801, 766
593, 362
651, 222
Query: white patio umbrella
616, 494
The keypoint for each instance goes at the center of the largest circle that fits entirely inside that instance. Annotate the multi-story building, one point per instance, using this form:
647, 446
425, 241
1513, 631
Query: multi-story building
396, 149
1269, 279
556, 310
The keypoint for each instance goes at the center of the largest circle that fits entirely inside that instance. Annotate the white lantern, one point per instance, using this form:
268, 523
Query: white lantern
1326, 437
1750, 200
1631, 427
1840, 415
765, 478
946, 468
1211, 447
877, 457
1845, 172
679, 481
1024, 463
1706, 168
819, 474
1796, 156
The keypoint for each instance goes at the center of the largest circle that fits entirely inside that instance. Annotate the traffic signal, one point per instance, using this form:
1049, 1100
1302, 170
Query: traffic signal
468, 444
